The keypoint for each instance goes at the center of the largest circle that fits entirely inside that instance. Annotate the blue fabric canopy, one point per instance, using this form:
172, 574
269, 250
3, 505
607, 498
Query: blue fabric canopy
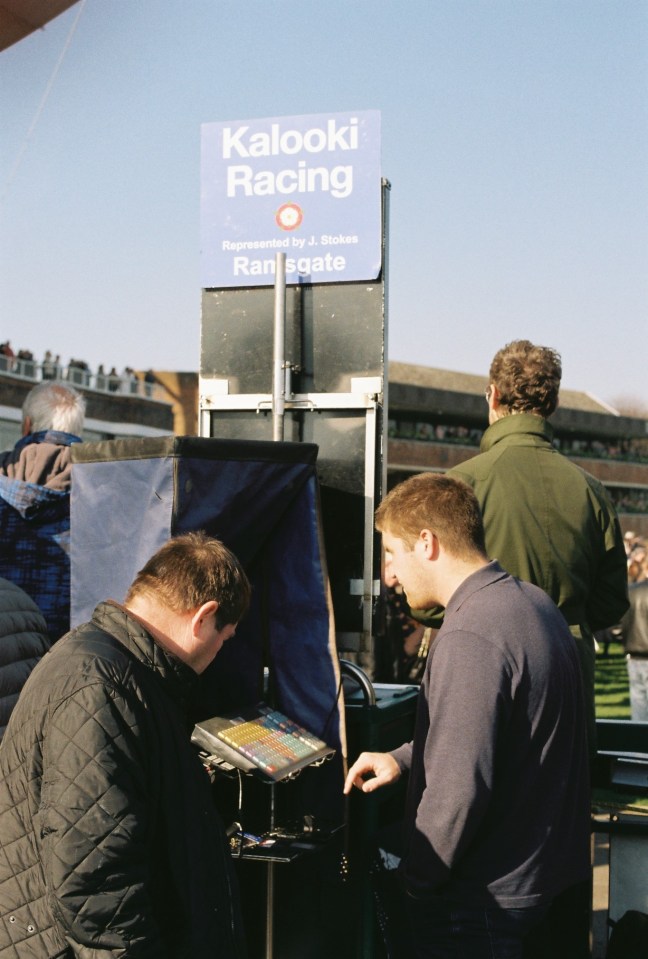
261, 499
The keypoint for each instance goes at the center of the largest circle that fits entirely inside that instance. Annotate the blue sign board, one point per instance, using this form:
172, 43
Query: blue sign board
307, 186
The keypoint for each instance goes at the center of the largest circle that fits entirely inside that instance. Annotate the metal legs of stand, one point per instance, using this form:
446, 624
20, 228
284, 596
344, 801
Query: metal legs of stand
270, 895
270, 887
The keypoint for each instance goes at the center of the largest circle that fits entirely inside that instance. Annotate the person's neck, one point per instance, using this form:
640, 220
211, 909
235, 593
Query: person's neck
159, 622
457, 572
500, 413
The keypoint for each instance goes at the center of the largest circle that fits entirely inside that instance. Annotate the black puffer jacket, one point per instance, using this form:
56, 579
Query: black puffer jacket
23, 640
110, 845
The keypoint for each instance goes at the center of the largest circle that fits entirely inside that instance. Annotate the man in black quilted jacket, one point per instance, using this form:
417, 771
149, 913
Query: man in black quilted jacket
110, 845
23, 641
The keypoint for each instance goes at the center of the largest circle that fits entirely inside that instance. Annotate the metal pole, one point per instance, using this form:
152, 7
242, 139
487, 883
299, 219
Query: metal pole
270, 889
278, 411
369, 494
278, 378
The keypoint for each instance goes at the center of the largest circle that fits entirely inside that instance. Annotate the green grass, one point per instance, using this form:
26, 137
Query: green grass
612, 692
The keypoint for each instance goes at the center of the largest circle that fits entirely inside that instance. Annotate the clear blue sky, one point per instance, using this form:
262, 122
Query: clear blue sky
514, 134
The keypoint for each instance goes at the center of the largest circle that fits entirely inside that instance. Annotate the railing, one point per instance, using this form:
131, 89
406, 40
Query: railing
35, 372
19, 367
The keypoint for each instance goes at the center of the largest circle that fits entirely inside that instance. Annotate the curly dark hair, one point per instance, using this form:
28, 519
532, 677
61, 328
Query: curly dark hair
527, 377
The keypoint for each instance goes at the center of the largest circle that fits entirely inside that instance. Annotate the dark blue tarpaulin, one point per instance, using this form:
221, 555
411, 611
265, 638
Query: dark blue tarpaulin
261, 500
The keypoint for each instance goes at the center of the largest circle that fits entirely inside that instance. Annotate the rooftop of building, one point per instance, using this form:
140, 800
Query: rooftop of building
454, 381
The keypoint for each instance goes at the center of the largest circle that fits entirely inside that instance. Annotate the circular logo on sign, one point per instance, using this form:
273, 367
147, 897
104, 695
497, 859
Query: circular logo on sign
289, 216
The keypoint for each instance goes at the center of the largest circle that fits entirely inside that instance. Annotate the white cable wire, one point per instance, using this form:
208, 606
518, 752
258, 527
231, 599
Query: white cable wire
41, 105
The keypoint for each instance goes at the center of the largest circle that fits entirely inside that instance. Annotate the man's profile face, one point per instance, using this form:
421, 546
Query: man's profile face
409, 567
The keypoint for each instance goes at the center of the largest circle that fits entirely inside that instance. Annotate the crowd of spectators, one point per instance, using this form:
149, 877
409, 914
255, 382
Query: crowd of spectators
628, 499
636, 548
406, 429
77, 372
437, 432
637, 553
628, 449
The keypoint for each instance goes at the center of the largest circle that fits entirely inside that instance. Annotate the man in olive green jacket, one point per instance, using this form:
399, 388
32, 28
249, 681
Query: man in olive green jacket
550, 523
547, 521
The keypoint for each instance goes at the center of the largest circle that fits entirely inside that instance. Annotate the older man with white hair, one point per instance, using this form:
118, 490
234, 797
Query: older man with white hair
35, 483
52, 421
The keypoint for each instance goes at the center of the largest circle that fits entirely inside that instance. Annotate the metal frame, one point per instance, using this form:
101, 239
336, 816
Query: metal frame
366, 395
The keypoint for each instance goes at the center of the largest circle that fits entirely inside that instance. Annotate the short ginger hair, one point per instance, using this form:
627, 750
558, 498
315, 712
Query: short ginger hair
445, 505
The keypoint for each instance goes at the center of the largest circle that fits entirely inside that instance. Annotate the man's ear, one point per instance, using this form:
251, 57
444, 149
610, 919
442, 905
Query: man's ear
495, 409
202, 614
26, 426
430, 543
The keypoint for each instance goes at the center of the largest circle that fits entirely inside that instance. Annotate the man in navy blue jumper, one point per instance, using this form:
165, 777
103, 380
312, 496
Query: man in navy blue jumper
497, 818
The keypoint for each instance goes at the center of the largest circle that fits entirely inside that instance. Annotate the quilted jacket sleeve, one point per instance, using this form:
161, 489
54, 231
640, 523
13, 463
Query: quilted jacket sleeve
96, 807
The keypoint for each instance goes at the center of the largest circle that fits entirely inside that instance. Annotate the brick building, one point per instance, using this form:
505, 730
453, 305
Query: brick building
435, 421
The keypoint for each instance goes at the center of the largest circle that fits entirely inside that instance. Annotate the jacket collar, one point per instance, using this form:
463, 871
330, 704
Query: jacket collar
56, 437
180, 680
514, 427
485, 576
